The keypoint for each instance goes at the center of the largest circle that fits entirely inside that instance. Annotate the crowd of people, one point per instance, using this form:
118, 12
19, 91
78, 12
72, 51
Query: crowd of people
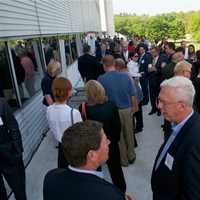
120, 78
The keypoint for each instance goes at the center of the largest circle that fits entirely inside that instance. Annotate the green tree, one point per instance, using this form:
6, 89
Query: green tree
194, 24
167, 25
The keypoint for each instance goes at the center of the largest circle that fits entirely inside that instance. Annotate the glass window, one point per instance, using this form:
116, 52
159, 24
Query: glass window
70, 49
28, 68
7, 89
68, 54
74, 48
51, 50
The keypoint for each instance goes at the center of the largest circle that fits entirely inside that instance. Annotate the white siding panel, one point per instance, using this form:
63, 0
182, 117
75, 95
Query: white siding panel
76, 16
18, 18
90, 15
37, 17
53, 16
86, 17
109, 17
96, 14
32, 123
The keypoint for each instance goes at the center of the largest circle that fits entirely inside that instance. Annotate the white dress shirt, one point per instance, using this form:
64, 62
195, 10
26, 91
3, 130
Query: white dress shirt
133, 68
93, 172
59, 119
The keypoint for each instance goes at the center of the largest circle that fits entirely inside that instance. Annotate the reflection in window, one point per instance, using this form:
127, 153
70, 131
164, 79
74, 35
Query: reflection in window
51, 50
28, 69
68, 54
70, 49
6, 84
74, 49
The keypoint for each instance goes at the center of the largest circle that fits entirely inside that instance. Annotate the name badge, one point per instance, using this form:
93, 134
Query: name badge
169, 161
142, 62
1, 122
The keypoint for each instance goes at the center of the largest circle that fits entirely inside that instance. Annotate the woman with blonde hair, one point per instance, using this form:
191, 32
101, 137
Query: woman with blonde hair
52, 70
99, 109
60, 116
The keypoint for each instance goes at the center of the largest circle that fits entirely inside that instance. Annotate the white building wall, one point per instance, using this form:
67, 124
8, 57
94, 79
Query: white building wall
53, 16
43, 17
18, 18
109, 17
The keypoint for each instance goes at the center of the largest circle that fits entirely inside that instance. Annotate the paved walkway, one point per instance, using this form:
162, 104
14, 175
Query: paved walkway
137, 175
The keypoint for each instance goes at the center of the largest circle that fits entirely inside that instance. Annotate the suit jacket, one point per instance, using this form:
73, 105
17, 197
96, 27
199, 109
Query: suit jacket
10, 137
65, 184
99, 55
143, 64
162, 59
89, 67
182, 181
196, 84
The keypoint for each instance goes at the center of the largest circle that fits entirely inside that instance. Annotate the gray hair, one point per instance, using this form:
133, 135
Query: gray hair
184, 89
182, 66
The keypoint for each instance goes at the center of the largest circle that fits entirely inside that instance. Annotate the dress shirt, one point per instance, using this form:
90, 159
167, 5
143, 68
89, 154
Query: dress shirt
175, 130
133, 68
93, 172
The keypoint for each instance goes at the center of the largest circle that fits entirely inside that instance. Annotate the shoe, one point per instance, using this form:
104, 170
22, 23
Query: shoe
158, 113
132, 161
138, 130
152, 112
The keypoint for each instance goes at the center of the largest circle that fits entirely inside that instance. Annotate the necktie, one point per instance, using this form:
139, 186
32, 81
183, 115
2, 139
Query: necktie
166, 147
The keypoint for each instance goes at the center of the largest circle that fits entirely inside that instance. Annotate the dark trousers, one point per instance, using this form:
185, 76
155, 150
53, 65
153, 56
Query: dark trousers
12, 169
153, 90
62, 163
145, 90
139, 117
114, 166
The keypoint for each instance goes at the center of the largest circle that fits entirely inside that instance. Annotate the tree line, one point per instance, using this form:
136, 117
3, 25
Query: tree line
172, 25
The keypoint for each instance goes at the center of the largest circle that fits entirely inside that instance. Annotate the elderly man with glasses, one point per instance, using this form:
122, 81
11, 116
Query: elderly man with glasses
176, 171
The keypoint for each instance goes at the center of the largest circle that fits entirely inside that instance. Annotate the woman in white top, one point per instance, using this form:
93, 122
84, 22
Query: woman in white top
132, 65
60, 116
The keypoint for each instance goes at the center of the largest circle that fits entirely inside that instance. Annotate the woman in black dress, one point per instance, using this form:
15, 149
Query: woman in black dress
98, 108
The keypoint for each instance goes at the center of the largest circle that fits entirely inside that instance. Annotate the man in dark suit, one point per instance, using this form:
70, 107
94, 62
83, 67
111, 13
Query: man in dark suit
145, 61
102, 51
176, 173
85, 147
89, 67
155, 77
11, 163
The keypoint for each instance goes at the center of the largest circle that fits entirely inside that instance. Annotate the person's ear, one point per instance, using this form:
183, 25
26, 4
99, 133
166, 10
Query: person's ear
69, 93
91, 156
182, 106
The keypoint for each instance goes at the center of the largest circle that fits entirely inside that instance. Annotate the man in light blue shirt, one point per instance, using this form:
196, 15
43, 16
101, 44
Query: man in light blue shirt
120, 90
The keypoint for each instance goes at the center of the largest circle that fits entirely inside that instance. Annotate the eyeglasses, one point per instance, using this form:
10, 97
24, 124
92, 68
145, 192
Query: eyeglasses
166, 103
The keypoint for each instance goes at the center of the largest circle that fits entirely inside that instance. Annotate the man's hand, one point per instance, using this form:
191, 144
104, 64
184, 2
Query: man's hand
128, 197
134, 107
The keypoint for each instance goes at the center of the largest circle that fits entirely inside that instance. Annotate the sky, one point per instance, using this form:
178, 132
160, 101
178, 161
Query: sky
154, 7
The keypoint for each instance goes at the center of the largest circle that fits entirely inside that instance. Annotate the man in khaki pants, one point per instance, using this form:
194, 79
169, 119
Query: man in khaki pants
120, 90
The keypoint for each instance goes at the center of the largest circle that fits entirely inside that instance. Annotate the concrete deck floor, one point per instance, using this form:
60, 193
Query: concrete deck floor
137, 175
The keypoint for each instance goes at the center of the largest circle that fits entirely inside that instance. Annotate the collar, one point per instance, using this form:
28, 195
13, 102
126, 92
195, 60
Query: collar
142, 54
85, 171
177, 127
